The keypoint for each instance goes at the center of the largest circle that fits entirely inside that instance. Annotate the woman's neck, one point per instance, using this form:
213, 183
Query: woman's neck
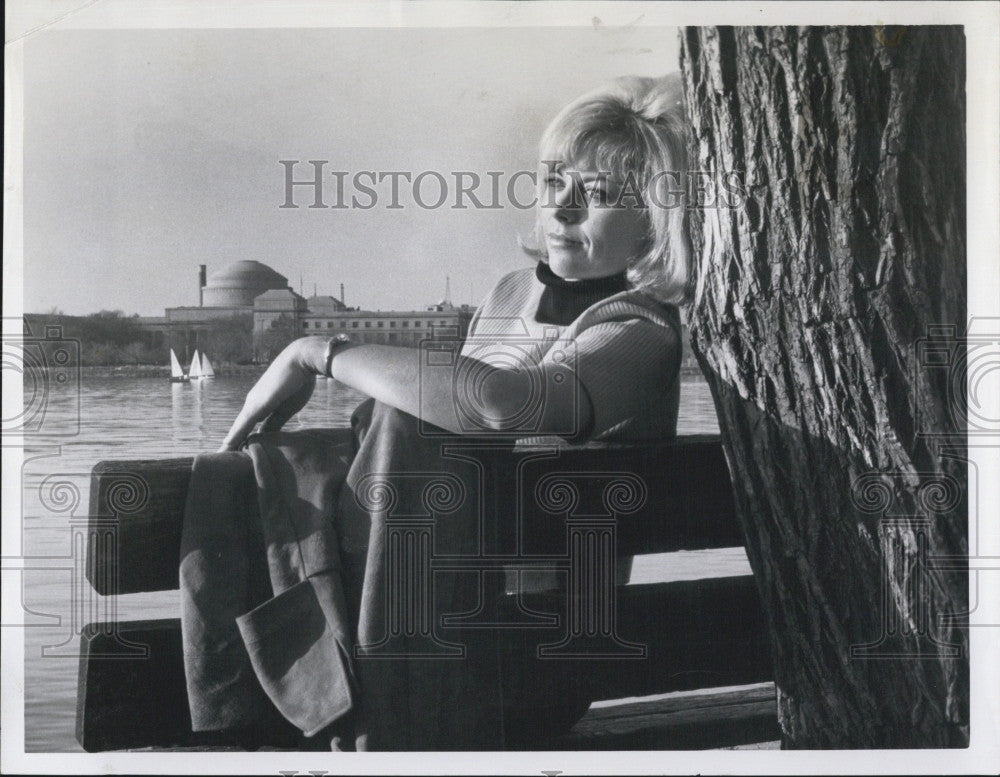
563, 300
609, 284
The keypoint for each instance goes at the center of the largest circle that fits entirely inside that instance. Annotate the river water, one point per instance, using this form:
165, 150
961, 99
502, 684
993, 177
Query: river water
132, 418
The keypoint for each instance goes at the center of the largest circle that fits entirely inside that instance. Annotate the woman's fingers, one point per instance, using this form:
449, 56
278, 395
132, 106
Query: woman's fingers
253, 411
281, 392
238, 432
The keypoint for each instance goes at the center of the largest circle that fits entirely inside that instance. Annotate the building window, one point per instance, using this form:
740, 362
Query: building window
406, 324
329, 325
443, 323
381, 324
343, 325
416, 324
305, 324
354, 325
368, 324
392, 324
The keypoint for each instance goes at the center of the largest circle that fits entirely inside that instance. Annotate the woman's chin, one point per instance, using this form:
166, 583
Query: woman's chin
564, 266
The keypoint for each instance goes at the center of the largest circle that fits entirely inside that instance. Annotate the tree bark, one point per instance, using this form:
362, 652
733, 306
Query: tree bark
829, 306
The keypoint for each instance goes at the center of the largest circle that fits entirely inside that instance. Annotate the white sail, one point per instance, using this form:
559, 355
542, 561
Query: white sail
207, 371
195, 370
176, 372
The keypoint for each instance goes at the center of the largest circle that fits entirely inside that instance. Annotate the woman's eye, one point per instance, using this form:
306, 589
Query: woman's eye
597, 194
554, 182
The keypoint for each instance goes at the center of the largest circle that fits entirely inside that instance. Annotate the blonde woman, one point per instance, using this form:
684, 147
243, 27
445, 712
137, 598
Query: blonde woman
614, 261
585, 345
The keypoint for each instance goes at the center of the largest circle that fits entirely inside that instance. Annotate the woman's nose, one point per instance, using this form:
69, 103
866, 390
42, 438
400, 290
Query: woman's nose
569, 204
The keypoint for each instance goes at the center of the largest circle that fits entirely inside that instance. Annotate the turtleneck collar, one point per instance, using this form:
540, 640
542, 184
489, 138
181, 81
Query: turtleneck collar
563, 301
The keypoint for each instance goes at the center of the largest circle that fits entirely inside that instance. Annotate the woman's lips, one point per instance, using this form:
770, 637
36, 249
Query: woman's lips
562, 241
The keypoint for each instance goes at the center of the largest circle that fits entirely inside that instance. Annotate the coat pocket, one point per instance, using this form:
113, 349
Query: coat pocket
300, 650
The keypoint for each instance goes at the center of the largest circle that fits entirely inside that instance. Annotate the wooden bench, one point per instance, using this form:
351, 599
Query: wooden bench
629, 641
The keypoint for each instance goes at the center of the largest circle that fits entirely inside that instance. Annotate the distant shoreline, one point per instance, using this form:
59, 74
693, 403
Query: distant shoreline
159, 371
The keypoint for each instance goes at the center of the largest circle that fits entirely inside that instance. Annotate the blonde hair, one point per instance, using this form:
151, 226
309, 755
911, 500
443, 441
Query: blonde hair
634, 128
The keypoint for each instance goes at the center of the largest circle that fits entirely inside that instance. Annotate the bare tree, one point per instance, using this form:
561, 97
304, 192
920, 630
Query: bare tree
828, 301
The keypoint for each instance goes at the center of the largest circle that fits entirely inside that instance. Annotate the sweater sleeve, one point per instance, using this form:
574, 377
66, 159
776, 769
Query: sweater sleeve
512, 286
628, 365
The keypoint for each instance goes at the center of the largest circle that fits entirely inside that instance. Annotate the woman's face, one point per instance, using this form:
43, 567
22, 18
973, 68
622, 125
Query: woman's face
593, 224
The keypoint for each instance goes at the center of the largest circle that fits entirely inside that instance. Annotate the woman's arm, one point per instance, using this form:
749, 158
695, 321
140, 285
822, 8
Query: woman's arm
527, 398
464, 397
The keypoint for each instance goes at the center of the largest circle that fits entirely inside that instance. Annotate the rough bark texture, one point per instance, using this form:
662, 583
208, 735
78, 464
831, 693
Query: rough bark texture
821, 322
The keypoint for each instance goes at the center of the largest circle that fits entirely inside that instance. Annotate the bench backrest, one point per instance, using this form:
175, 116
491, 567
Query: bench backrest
664, 497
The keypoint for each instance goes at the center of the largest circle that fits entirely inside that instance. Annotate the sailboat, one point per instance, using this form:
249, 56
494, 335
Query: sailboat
207, 371
176, 373
194, 371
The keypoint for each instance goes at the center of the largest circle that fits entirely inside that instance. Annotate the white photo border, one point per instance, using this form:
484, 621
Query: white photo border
982, 23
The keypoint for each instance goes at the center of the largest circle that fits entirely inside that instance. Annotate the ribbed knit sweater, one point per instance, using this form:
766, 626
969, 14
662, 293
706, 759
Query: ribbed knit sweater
624, 347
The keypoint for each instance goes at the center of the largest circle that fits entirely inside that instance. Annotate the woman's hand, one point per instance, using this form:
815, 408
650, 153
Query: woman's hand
282, 390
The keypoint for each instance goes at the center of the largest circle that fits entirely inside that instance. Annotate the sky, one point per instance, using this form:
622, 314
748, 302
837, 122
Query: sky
150, 152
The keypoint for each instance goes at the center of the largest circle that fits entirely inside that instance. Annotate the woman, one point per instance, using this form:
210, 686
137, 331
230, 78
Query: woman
614, 261
585, 346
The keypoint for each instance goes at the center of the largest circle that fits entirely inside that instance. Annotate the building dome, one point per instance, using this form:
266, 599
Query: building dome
237, 284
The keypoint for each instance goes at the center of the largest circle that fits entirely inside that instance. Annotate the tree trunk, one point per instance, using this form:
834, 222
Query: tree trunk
830, 304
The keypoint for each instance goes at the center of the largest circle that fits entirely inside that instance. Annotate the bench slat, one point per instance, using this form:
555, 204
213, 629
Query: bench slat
126, 701
142, 503
699, 633
737, 717
684, 503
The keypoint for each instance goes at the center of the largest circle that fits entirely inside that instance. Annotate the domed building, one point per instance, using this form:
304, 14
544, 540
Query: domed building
246, 310
238, 284
245, 294
231, 291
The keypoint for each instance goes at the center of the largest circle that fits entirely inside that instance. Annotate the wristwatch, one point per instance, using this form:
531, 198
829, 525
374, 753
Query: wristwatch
333, 345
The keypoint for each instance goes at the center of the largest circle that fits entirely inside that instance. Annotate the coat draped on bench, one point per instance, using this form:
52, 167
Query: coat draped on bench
290, 589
